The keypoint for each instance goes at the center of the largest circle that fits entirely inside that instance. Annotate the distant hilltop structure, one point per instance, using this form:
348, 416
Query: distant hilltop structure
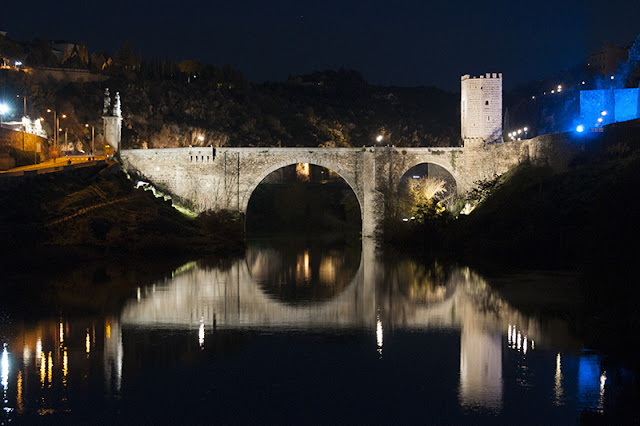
481, 108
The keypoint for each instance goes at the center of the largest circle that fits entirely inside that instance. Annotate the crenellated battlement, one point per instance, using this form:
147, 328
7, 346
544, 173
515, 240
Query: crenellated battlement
487, 76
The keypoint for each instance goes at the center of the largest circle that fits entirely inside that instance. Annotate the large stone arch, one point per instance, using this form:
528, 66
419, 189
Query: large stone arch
334, 167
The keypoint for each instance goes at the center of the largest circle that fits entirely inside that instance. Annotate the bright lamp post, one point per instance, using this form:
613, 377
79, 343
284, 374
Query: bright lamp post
4, 109
56, 123
92, 136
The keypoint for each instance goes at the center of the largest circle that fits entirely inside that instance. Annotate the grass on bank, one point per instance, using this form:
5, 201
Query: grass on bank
95, 210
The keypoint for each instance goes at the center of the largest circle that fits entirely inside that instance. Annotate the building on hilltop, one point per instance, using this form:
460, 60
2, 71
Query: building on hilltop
605, 61
481, 107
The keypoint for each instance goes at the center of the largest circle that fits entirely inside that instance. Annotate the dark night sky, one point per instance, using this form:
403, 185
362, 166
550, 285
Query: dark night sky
401, 42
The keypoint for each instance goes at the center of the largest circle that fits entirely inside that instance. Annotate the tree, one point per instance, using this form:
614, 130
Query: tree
124, 57
41, 55
11, 49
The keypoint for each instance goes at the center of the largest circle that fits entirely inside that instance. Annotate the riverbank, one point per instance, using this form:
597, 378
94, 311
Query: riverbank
95, 212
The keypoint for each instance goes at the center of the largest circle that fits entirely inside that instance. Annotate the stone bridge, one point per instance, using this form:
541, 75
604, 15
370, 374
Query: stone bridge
225, 178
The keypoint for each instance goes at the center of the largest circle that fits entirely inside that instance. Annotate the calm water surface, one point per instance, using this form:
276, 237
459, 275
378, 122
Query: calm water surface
301, 332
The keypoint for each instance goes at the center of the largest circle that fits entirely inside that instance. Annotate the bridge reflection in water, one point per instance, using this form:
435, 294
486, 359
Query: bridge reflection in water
265, 291
376, 297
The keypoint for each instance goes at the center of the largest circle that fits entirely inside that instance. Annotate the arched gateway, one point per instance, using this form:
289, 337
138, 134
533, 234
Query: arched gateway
225, 178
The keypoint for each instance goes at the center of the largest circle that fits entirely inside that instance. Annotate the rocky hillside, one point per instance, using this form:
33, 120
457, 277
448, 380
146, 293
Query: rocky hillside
331, 108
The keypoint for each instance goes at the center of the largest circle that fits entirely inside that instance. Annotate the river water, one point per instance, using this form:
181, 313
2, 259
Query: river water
303, 331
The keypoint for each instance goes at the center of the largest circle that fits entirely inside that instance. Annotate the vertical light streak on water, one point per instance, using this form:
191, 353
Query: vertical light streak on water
38, 349
65, 367
4, 368
559, 392
603, 381
201, 333
119, 359
43, 368
50, 369
379, 334
4, 376
19, 401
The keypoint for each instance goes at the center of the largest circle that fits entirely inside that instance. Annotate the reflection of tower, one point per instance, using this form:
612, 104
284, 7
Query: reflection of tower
480, 363
112, 121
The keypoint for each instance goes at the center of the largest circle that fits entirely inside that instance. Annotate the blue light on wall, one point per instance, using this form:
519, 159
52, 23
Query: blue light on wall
618, 105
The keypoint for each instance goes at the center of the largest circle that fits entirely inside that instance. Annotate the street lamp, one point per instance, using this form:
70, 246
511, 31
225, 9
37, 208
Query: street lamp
24, 117
55, 125
92, 136
24, 98
4, 109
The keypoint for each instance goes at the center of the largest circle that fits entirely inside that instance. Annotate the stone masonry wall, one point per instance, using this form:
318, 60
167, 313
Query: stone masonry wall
14, 139
481, 107
225, 178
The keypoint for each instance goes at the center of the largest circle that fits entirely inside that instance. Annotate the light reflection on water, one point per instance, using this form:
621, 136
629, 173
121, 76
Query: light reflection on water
346, 305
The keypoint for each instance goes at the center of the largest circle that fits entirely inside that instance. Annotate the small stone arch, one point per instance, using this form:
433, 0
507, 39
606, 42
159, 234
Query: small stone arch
431, 169
429, 161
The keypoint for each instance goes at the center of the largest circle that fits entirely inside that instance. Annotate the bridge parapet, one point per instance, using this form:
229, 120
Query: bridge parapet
225, 178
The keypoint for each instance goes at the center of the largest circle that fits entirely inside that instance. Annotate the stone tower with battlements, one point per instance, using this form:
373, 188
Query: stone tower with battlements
481, 108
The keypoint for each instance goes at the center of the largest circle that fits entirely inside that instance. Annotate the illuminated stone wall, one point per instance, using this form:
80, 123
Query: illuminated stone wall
619, 105
225, 178
481, 107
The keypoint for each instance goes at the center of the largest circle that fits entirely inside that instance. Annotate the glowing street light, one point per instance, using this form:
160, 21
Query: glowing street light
56, 123
379, 138
603, 113
580, 128
4, 109
92, 136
